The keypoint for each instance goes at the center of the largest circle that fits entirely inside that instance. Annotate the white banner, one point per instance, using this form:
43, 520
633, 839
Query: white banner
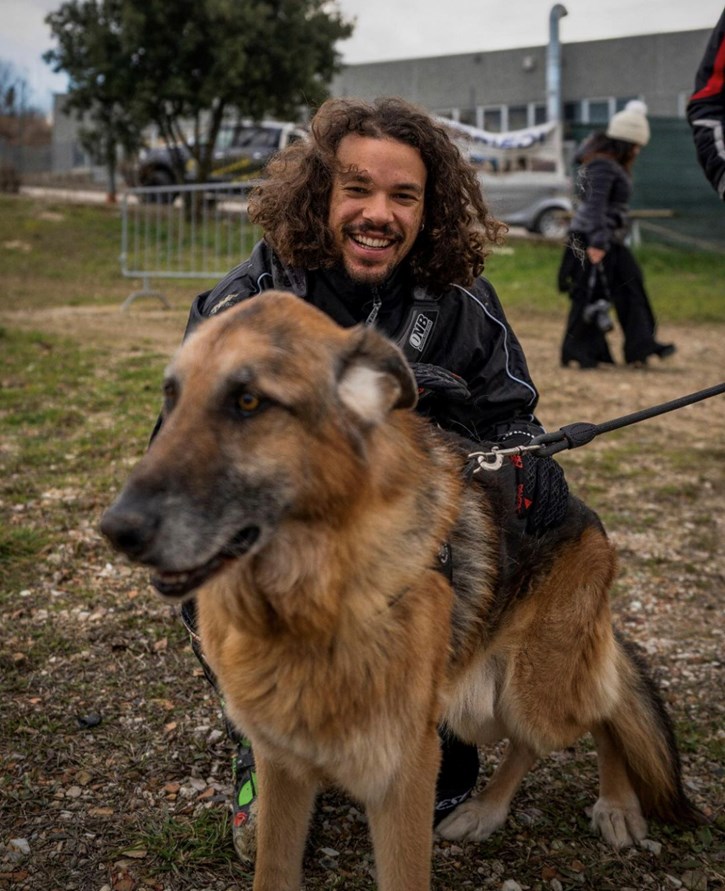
537, 147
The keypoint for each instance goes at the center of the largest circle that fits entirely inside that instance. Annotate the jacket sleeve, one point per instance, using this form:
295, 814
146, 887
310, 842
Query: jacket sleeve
242, 282
484, 351
598, 177
706, 110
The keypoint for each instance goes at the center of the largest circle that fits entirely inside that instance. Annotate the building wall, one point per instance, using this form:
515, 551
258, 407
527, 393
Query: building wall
659, 68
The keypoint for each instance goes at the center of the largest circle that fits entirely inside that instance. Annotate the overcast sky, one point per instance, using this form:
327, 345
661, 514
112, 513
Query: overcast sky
404, 29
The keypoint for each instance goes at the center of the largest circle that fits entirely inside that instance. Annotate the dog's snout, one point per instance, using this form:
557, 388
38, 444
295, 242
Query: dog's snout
129, 531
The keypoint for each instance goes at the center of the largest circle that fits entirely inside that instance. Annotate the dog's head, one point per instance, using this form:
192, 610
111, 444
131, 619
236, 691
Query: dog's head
272, 413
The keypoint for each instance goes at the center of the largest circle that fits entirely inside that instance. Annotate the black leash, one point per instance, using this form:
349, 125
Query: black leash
572, 436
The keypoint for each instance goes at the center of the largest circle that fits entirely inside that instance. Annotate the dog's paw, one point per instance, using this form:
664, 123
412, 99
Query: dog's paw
620, 825
474, 820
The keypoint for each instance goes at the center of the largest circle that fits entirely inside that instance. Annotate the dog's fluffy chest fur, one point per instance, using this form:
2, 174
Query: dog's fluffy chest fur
332, 701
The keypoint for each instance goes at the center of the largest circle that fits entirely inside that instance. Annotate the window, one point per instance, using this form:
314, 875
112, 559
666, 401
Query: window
540, 115
518, 117
493, 120
598, 111
573, 112
620, 103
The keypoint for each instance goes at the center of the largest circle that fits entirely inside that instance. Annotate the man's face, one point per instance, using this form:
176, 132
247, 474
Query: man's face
376, 205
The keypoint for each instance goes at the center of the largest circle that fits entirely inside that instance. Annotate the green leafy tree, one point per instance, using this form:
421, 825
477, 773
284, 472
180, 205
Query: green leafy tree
91, 50
186, 66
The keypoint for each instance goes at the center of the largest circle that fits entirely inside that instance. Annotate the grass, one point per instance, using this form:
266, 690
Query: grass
59, 254
69, 255
68, 414
683, 285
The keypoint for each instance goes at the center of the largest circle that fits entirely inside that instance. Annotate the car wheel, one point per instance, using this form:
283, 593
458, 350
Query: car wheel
158, 179
553, 223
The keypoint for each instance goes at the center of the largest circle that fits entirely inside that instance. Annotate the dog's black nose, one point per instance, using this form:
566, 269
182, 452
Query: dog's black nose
130, 531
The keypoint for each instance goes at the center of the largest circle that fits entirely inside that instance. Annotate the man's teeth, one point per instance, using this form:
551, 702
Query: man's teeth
367, 241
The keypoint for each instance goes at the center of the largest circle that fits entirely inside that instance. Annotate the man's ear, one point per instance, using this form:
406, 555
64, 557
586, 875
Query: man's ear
374, 377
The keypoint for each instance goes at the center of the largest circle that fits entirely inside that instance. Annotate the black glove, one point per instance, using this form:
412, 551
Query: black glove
541, 492
434, 381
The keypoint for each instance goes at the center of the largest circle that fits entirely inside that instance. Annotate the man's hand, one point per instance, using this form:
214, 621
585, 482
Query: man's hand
434, 381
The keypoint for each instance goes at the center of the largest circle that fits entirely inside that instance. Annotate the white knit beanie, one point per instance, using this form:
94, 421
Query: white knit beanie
630, 124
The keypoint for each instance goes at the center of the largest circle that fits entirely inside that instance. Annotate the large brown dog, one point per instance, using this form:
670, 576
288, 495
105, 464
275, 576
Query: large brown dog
290, 488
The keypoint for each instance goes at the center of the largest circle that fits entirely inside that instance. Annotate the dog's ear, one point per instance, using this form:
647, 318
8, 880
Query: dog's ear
374, 377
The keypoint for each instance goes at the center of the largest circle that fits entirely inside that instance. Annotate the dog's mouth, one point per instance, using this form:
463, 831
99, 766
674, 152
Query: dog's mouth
178, 584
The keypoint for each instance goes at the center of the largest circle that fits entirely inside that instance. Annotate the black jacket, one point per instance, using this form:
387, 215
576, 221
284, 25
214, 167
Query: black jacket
706, 110
463, 330
603, 212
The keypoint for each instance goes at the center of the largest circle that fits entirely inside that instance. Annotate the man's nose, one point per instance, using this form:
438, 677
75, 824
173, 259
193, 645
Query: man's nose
378, 209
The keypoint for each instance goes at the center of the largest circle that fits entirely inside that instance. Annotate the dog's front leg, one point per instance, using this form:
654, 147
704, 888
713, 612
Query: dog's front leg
401, 824
285, 806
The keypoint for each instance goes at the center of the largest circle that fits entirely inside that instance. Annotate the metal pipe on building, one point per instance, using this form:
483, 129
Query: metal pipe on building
553, 64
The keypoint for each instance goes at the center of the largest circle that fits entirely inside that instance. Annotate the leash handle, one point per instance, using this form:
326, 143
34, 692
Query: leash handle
569, 437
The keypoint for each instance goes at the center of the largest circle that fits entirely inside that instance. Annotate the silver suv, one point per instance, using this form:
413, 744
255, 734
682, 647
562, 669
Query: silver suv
539, 201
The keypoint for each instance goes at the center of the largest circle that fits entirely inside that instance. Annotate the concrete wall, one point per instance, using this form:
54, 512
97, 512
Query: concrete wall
660, 68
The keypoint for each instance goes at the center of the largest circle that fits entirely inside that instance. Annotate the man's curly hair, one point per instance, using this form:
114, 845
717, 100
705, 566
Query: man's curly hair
292, 204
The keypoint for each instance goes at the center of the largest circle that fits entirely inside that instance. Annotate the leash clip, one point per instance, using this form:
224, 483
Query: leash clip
494, 458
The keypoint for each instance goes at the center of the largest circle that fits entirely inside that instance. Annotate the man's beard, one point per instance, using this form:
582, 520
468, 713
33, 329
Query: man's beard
370, 277
376, 274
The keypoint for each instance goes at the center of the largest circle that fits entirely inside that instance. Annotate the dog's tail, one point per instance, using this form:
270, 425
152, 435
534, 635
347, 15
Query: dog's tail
643, 733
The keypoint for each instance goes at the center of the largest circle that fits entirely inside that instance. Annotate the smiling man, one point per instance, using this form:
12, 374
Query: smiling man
377, 219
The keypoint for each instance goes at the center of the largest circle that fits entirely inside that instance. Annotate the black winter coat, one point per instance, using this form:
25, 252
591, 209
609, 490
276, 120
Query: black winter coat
603, 212
706, 110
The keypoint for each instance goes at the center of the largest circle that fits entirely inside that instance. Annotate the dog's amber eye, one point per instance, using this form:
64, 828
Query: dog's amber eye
170, 395
248, 402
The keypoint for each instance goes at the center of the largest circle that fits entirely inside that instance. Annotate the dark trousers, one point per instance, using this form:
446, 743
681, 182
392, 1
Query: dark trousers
583, 341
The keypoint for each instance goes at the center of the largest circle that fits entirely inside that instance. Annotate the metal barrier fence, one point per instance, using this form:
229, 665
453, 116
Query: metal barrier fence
196, 231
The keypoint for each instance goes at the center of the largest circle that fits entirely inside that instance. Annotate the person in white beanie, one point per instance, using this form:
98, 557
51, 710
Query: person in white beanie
630, 124
598, 270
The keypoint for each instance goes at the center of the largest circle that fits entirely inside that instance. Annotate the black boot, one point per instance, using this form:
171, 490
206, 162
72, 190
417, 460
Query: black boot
457, 776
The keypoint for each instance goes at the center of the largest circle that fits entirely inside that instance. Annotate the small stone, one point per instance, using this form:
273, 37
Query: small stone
511, 885
694, 880
654, 847
16, 849
100, 812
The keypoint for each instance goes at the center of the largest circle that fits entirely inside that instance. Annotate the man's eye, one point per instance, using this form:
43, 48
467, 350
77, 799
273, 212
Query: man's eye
248, 403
